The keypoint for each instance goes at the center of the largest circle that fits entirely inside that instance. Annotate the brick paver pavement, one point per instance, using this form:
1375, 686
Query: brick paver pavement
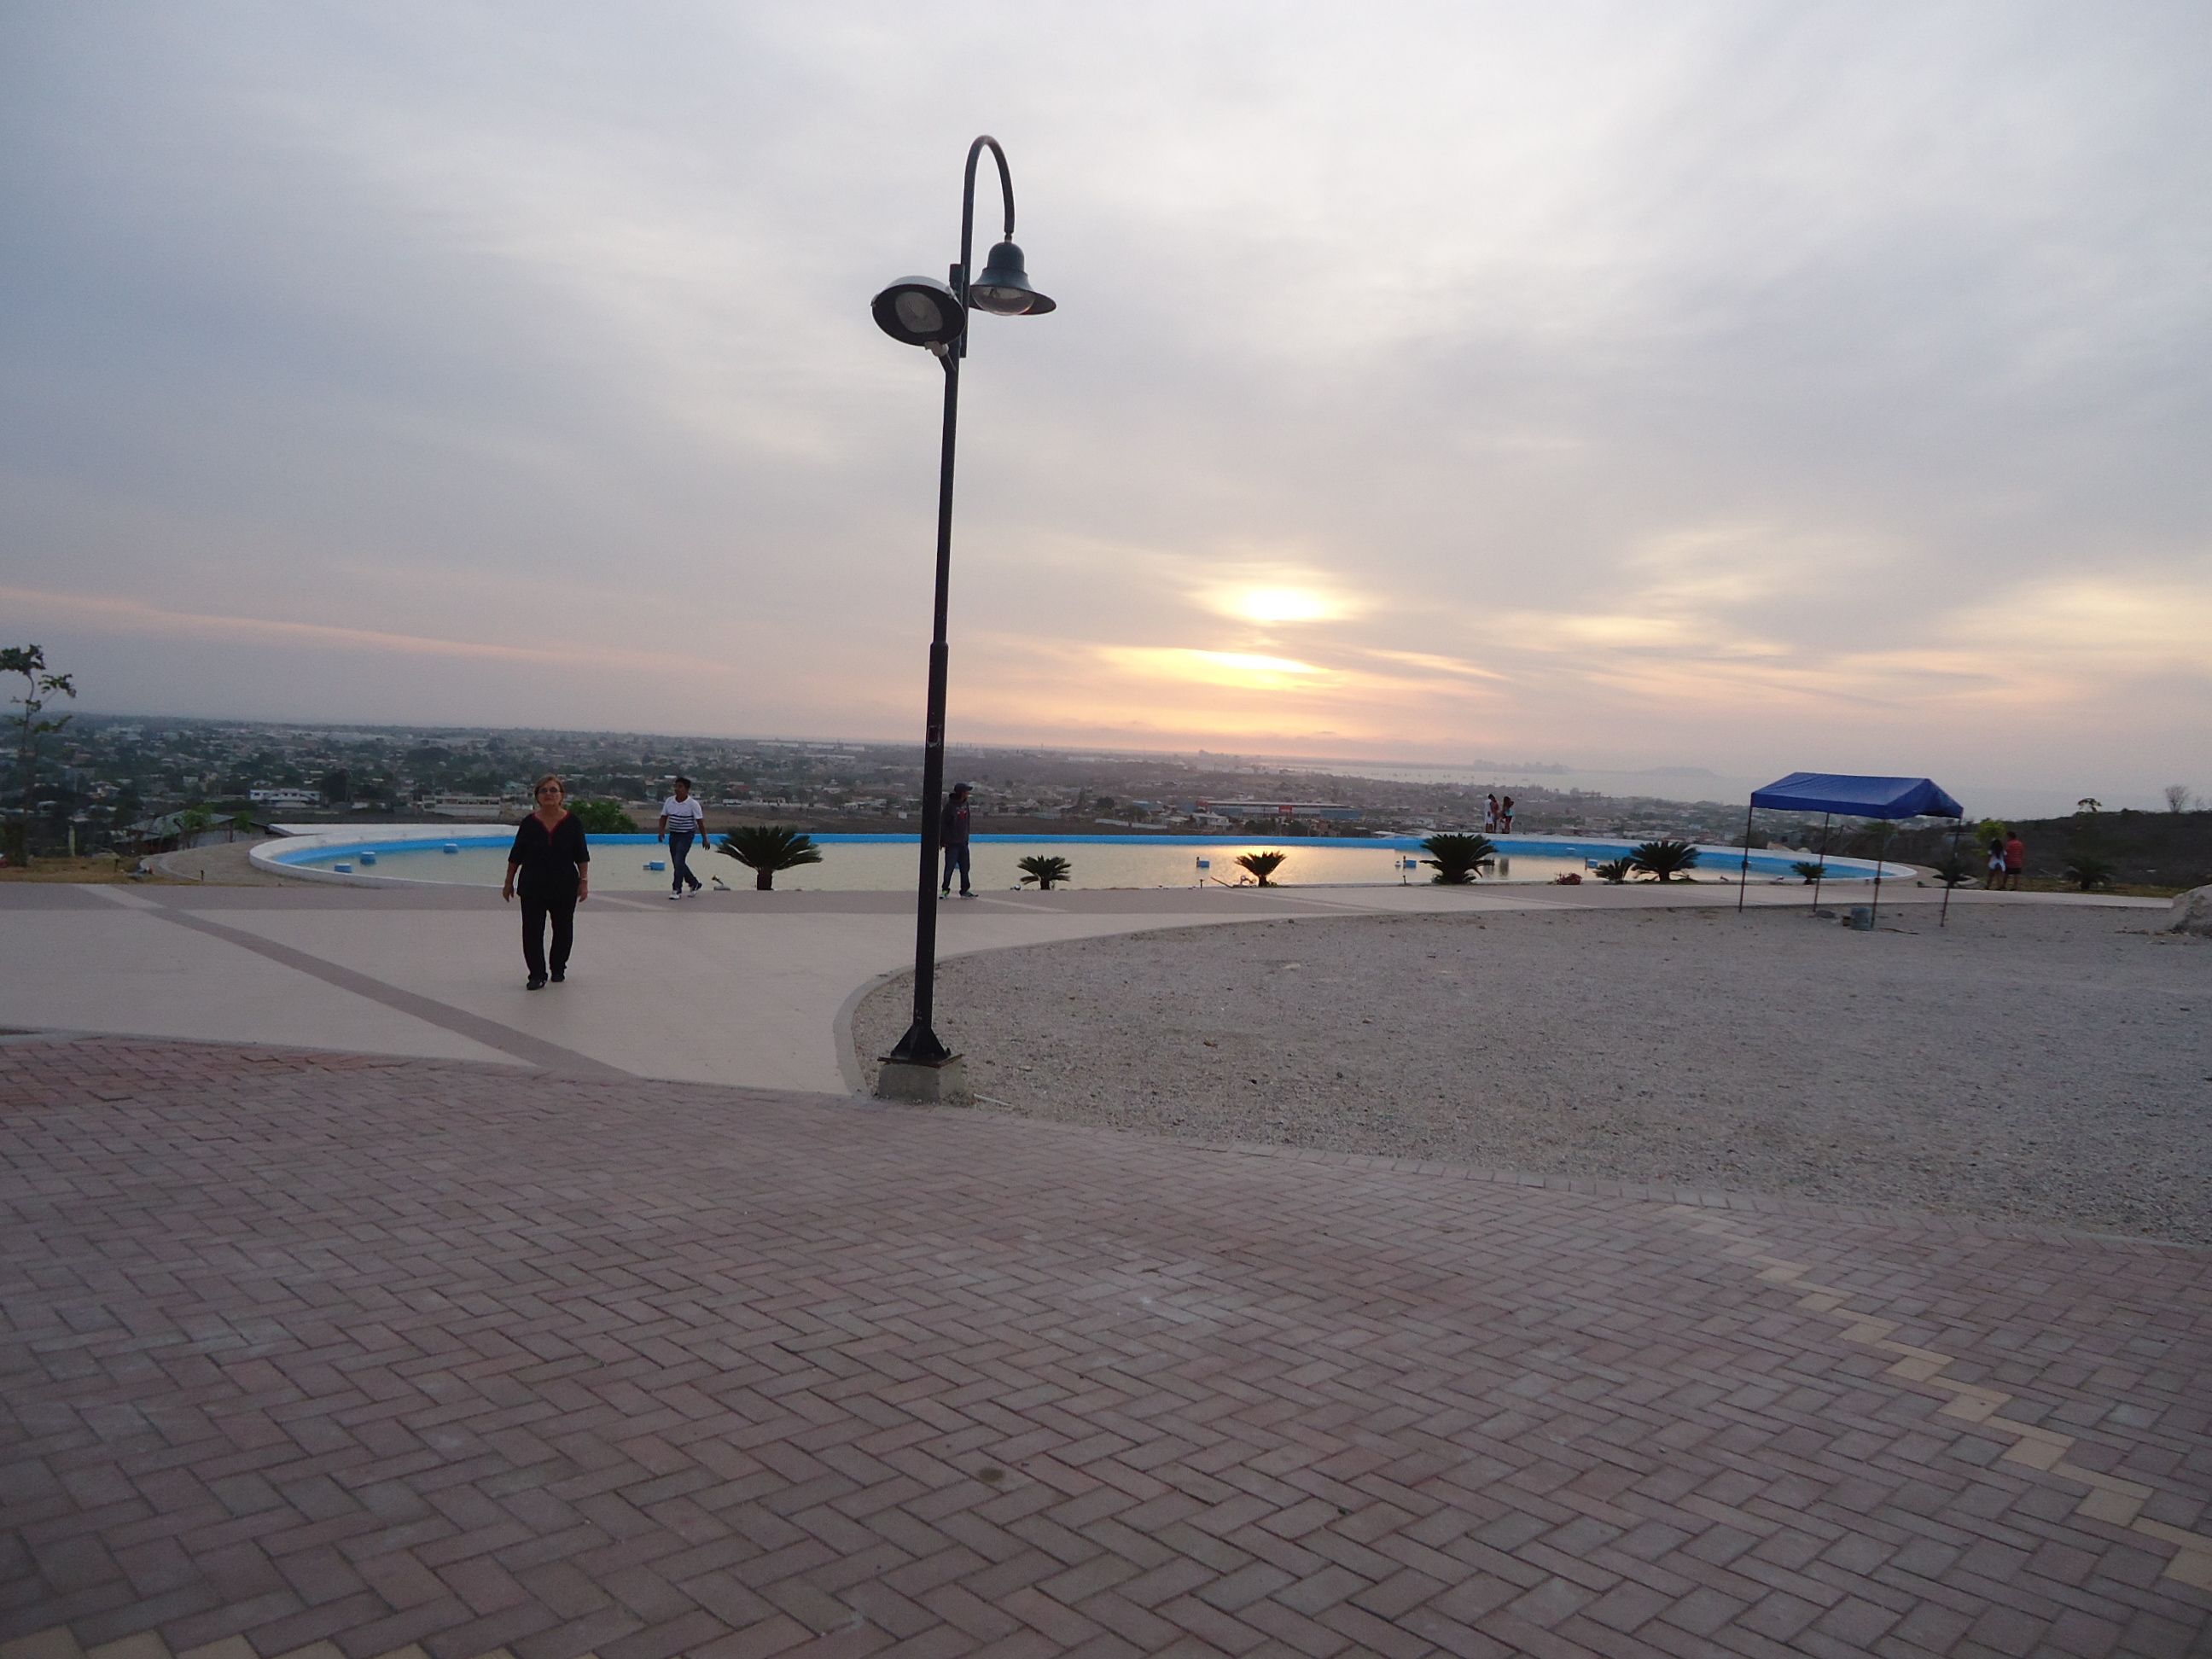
316, 1354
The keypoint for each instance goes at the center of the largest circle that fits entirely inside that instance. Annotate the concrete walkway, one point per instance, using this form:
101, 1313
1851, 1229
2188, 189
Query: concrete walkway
741, 988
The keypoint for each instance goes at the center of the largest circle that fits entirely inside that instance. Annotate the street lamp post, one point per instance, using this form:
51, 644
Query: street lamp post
934, 315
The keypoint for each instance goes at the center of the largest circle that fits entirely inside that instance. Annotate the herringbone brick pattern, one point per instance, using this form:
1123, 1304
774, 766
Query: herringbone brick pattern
319, 1355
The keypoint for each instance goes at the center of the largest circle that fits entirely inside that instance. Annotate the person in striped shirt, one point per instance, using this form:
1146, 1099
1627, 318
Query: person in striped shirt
681, 819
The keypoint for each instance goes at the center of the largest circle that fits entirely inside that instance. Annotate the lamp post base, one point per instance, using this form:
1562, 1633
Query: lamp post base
925, 1082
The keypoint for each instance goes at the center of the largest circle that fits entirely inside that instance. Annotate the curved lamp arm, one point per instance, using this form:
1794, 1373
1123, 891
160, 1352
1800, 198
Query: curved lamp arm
967, 204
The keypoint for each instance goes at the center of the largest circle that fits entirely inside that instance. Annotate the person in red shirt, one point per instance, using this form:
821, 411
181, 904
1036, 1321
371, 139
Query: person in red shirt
2015, 856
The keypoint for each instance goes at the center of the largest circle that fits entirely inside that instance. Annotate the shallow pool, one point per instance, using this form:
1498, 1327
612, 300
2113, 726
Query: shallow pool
887, 863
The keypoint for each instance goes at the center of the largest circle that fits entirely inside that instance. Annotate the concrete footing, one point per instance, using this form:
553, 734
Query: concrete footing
944, 1083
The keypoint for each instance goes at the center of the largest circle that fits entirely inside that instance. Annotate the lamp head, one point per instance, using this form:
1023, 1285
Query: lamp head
918, 311
1004, 286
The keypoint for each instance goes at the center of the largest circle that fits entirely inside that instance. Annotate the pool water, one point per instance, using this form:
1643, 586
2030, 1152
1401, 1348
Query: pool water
888, 863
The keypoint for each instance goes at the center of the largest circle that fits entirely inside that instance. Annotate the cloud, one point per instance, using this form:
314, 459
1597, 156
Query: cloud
1688, 384
101, 615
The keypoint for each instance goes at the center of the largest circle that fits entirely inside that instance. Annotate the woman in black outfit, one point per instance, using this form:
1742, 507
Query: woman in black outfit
554, 868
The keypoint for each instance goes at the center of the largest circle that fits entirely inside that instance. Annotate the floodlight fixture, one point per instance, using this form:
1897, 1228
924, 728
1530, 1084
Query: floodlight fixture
921, 312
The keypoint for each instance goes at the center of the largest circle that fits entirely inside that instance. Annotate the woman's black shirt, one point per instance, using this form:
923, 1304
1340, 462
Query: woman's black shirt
548, 859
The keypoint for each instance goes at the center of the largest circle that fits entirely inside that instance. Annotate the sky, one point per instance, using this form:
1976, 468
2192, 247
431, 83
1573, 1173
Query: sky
1744, 386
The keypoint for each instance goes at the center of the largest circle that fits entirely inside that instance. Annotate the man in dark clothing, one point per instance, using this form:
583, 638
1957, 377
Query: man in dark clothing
952, 835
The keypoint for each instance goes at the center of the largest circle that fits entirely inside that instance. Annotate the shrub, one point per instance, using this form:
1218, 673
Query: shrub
1457, 859
1262, 864
1664, 859
765, 848
1808, 871
1046, 872
1616, 871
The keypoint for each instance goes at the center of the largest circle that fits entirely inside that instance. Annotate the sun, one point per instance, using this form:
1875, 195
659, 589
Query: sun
1279, 604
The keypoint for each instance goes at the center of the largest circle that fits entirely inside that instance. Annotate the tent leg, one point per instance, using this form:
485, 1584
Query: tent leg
1875, 914
1743, 874
1945, 920
1823, 870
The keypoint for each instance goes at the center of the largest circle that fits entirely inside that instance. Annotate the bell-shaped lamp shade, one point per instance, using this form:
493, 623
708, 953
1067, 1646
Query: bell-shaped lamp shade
1004, 286
918, 311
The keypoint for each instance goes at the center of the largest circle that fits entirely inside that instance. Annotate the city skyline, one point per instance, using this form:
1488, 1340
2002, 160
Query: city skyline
1722, 388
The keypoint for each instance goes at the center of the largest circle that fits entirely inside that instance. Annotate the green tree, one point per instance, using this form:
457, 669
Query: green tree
1262, 864
1046, 872
765, 848
41, 687
604, 817
1666, 860
1457, 859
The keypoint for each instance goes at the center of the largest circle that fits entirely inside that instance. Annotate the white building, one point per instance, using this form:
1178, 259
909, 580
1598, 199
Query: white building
478, 807
284, 797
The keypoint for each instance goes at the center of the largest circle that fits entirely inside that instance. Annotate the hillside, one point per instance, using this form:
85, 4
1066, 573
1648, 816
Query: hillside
2162, 849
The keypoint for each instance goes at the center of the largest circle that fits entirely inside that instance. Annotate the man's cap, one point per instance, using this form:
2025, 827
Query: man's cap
963, 789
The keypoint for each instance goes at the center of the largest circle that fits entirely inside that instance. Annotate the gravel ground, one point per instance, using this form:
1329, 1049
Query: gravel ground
2041, 1063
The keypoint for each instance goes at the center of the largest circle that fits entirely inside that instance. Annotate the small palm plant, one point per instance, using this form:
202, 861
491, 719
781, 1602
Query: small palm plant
1664, 859
1262, 864
1615, 872
1046, 872
765, 848
1809, 871
2088, 870
1457, 859
1952, 870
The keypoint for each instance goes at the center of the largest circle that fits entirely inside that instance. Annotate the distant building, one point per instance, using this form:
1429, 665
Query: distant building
1284, 809
481, 808
284, 797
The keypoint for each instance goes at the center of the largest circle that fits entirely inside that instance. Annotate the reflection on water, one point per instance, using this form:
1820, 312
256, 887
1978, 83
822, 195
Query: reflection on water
878, 864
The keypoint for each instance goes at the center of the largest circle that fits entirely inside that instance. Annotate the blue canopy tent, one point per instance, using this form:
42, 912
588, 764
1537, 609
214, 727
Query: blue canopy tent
1854, 796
